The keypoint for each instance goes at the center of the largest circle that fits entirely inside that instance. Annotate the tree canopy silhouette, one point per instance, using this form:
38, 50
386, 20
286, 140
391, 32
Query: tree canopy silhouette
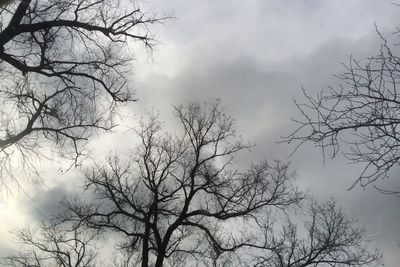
63, 67
179, 199
362, 114
53, 245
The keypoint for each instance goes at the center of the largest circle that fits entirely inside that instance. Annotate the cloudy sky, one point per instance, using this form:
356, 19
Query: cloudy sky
255, 56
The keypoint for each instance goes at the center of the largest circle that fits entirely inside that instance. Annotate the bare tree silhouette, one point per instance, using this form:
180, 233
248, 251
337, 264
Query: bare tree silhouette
362, 113
331, 239
53, 245
171, 197
63, 66
179, 200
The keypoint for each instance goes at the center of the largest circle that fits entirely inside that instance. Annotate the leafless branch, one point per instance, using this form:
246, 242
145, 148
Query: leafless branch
63, 66
171, 198
361, 114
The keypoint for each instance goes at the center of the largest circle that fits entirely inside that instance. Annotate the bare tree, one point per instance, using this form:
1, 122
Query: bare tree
63, 67
330, 239
53, 245
363, 113
176, 196
179, 200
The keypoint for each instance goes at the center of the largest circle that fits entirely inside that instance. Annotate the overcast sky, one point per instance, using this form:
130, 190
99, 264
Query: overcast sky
255, 56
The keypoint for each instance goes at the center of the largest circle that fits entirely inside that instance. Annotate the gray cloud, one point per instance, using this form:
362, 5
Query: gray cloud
255, 56
45, 204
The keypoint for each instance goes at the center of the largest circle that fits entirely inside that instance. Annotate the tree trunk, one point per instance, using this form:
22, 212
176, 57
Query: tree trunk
145, 247
160, 257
